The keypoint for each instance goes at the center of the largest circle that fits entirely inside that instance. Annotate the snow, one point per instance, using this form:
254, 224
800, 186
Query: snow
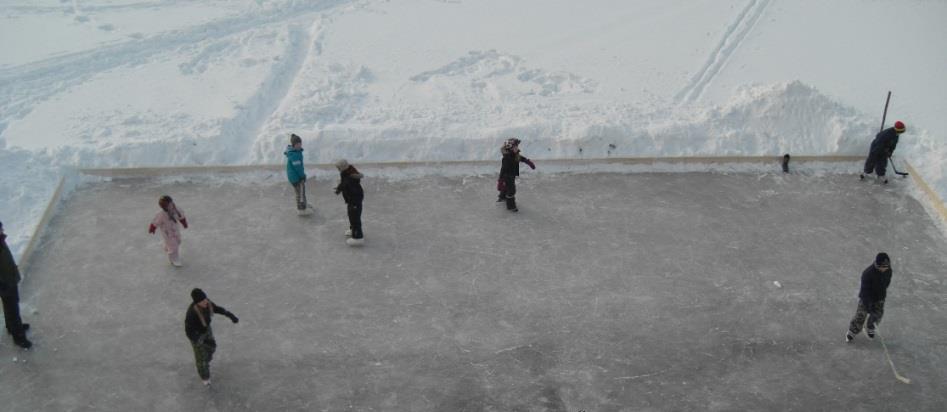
143, 83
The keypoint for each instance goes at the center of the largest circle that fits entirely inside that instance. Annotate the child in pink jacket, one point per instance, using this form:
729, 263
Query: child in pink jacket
167, 220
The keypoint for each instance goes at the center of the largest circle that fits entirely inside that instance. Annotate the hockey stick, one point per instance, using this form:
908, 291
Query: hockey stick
905, 174
885, 114
896, 374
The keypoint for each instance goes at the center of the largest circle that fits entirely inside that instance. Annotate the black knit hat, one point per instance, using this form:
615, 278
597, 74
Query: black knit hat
198, 295
293, 139
882, 259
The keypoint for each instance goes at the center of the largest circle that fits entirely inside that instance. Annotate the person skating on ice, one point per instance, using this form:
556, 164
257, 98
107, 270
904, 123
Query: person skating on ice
871, 297
167, 221
197, 328
296, 173
10, 294
509, 170
350, 188
881, 150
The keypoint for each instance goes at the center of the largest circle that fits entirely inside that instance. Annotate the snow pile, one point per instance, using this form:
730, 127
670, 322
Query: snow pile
140, 83
763, 120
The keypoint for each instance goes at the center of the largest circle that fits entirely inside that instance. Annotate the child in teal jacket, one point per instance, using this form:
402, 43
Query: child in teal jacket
296, 173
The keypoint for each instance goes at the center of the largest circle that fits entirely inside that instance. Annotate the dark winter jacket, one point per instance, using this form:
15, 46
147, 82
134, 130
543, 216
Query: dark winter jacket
511, 164
9, 272
874, 284
350, 186
194, 327
294, 164
884, 144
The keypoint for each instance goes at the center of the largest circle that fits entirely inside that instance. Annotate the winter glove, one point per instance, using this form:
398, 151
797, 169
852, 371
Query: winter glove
184, 222
234, 318
501, 185
152, 228
531, 164
338, 190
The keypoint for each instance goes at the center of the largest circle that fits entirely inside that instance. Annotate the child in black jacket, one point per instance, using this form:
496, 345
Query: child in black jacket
509, 170
198, 331
350, 188
871, 297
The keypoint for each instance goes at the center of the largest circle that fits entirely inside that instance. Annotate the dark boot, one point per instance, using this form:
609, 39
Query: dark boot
22, 342
511, 204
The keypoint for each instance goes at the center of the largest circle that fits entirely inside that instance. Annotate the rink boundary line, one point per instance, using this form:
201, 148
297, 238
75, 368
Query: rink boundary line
177, 170
25, 258
932, 197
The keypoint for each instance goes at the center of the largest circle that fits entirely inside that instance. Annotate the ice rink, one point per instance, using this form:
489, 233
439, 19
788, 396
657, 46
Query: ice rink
606, 292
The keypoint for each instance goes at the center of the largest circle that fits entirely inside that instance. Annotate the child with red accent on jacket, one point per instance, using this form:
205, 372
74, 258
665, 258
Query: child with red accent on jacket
167, 221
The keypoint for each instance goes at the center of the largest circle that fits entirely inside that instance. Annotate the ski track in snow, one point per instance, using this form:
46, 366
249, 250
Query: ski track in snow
30, 84
731, 41
241, 131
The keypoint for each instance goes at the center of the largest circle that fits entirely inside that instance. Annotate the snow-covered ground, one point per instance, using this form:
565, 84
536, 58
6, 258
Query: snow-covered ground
149, 83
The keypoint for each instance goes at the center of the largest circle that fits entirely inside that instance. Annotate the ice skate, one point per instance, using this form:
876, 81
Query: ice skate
355, 242
175, 262
304, 212
870, 333
348, 233
22, 342
861, 176
206, 382
849, 337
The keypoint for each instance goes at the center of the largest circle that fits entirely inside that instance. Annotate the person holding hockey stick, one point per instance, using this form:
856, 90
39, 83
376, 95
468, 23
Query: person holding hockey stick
871, 297
509, 170
296, 173
881, 150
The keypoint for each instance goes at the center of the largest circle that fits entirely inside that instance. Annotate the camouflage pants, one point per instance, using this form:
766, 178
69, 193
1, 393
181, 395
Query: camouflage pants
873, 311
203, 353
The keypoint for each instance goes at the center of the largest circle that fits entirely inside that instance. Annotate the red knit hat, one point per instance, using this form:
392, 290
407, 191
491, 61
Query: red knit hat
899, 126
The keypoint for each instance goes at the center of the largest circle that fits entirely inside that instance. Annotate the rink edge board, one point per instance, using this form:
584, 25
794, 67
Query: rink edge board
177, 170
24, 265
933, 199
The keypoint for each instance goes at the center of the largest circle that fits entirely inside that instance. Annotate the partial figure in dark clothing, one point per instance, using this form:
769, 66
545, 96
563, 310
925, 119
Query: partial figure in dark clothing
509, 170
881, 150
871, 297
198, 330
350, 188
10, 294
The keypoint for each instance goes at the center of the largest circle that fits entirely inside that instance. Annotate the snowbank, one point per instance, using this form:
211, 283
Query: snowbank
140, 83
759, 121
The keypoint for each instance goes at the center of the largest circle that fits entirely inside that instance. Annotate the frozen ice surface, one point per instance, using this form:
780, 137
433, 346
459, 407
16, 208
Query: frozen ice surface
605, 292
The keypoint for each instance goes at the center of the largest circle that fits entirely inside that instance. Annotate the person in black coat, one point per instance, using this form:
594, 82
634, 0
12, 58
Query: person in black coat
10, 294
509, 170
350, 188
198, 331
871, 297
881, 150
